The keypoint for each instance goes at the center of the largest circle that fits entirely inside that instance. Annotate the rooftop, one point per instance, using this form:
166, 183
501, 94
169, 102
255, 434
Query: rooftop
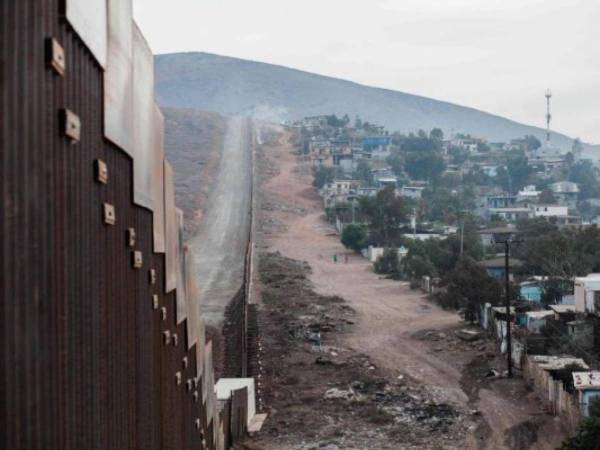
558, 362
561, 309
586, 380
500, 262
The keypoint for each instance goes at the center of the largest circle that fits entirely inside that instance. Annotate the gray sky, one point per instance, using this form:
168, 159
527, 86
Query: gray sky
494, 55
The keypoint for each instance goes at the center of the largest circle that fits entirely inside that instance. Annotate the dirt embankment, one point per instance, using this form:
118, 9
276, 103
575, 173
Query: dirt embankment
390, 371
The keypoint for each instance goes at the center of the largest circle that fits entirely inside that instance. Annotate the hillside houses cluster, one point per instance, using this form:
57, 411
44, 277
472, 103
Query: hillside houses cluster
349, 150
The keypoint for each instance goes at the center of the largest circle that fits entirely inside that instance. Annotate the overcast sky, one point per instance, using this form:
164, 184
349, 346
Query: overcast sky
494, 55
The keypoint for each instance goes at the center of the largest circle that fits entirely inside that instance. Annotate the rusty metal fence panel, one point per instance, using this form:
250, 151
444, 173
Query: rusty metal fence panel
84, 361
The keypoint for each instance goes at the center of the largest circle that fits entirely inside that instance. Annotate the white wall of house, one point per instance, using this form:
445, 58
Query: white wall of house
550, 210
587, 289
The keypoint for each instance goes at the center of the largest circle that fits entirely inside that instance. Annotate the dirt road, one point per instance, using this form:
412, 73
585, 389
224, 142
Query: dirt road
390, 314
219, 246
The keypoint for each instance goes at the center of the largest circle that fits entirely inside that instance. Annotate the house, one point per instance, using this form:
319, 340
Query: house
372, 253
501, 201
490, 170
510, 214
495, 267
587, 293
535, 320
531, 291
366, 191
563, 313
384, 181
546, 376
566, 193
528, 193
587, 385
542, 210
412, 191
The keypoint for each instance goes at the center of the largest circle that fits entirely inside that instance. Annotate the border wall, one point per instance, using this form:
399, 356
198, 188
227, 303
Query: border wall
101, 343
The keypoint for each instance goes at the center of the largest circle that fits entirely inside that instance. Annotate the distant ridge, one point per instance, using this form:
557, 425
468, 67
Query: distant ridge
276, 93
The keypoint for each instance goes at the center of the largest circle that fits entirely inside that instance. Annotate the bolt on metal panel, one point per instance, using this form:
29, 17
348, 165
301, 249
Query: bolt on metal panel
143, 120
71, 125
172, 231
101, 171
88, 19
55, 56
118, 76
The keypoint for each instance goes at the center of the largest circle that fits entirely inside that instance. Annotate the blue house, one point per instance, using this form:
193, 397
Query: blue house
588, 386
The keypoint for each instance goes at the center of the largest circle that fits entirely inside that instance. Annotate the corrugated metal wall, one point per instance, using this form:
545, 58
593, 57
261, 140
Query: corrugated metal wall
84, 364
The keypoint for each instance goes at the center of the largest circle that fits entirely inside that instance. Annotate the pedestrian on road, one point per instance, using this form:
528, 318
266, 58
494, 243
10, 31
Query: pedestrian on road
335, 258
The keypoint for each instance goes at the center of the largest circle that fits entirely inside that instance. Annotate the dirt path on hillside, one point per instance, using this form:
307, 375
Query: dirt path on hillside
390, 315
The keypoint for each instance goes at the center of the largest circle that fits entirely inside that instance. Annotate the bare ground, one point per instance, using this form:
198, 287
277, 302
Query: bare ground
389, 332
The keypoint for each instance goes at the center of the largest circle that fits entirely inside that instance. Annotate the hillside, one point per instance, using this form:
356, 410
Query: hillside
275, 93
193, 141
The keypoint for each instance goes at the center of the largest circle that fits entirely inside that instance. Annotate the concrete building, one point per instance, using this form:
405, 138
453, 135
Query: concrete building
566, 193
541, 210
587, 293
412, 191
587, 385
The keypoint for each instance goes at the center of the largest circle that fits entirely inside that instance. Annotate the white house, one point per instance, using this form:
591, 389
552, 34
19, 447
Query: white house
550, 211
412, 191
587, 293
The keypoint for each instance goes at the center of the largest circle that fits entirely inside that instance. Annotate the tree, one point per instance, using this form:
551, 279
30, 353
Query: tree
586, 175
459, 154
468, 286
385, 213
547, 197
436, 134
354, 236
388, 263
587, 437
424, 166
531, 142
322, 176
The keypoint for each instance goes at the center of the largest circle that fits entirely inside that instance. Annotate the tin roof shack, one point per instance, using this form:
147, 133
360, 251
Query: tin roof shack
587, 385
535, 320
551, 380
587, 293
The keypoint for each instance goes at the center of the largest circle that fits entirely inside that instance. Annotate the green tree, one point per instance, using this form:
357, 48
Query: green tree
436, 134
323, 175
354, 236
385, 213
531, 142
586, 438
586, 175
424, 166
547, 197
467, 287
388, 263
